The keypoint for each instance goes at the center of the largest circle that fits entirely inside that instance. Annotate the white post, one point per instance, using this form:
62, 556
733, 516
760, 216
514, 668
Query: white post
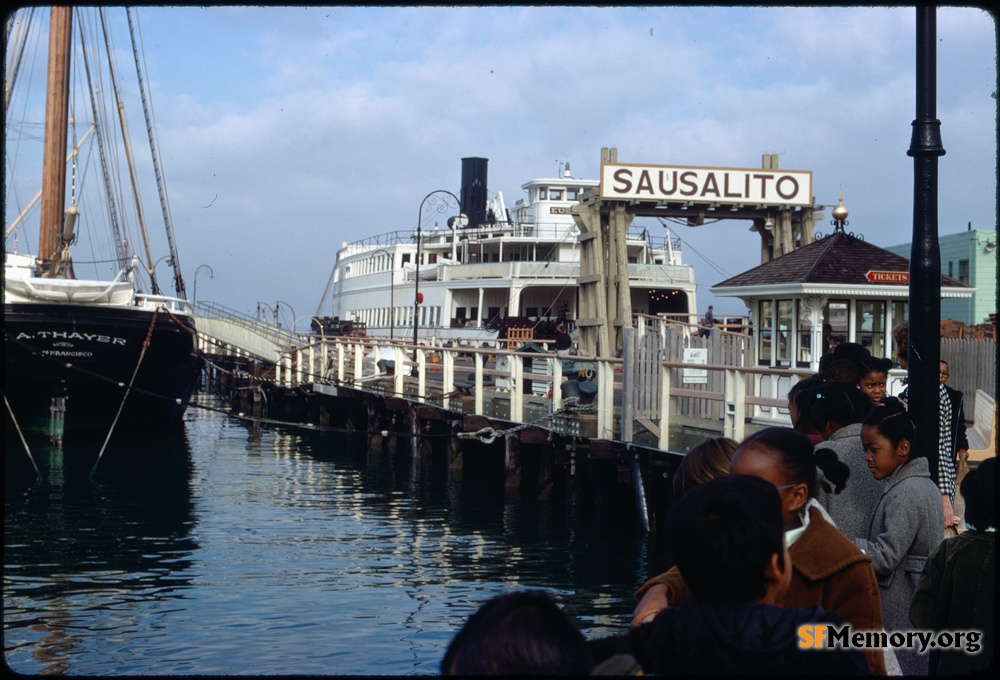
664, 442
516, 387
734, 426
447, 374
605, 400
628, 382
421, 371
557, 365
479, 382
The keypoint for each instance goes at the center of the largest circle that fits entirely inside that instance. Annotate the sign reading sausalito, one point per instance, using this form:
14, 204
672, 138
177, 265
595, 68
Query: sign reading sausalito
706, 185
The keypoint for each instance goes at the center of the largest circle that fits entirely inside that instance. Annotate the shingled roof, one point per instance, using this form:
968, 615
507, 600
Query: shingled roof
837, 259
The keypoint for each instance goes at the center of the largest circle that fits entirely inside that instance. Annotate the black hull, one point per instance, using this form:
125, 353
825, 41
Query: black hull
88, 355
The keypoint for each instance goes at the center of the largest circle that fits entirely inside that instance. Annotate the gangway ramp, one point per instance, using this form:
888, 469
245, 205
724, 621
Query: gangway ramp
221, 326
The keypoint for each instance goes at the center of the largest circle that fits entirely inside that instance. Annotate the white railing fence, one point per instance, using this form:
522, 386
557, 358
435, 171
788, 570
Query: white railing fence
651, 392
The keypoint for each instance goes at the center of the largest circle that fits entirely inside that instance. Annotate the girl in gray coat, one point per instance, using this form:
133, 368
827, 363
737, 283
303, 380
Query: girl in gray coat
904, 528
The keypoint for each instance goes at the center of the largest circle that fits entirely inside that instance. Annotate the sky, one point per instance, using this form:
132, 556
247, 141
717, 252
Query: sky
285, 131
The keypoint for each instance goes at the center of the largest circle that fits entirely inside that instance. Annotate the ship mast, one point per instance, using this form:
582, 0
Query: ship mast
56, 124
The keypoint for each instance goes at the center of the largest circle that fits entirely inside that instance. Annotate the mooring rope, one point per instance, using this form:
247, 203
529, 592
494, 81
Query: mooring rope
27, 449
488, 435
114, 423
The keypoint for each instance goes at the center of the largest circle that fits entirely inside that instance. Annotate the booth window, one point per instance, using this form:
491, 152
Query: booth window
805, 336
764, 335
870, 326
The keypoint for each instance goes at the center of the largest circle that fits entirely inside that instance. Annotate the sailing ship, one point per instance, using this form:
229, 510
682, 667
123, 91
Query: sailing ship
87, 352
475, 269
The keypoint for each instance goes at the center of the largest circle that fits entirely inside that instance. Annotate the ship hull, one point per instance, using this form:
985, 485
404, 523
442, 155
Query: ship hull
89, 357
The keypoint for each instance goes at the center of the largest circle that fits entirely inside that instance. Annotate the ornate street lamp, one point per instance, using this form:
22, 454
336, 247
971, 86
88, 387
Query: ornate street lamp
436, 202
152, 274
211, 275
277, 310
267, 307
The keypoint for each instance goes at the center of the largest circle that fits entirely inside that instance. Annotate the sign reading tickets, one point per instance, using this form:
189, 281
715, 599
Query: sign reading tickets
706, 185
877, 276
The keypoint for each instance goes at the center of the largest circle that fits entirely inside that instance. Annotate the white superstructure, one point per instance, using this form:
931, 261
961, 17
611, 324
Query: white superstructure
516, 267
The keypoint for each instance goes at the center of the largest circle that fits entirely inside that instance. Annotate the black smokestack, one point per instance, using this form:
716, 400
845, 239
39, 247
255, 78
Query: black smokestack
474, 190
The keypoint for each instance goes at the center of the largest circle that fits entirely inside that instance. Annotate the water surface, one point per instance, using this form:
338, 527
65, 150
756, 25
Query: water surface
227, 549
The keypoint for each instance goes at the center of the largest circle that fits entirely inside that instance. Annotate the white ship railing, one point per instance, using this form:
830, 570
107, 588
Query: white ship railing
542, 231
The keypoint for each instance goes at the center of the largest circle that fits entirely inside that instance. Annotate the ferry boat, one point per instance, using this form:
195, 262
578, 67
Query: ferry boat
474, 274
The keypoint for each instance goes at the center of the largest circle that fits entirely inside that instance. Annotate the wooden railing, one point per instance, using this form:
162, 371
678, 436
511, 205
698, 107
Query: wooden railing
731, 398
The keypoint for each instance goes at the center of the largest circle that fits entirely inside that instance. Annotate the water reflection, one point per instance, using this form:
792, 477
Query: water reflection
439, 527
252, 550
74, 544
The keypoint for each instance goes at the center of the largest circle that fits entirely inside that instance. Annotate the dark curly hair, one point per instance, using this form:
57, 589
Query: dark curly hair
894, 423
798, 460
839, 402
723, 534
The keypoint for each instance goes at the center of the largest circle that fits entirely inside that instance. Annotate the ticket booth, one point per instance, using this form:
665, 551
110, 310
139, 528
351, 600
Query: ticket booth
837, 289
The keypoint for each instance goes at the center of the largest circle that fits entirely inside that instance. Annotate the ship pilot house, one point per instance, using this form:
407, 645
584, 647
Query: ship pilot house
839, 288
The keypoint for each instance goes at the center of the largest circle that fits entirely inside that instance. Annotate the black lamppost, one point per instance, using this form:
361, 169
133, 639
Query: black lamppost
438, 204
925, 253
211, 275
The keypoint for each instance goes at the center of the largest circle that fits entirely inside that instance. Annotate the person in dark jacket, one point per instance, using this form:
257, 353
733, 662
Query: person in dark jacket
707, 323
728, 538
957, 590
959, 436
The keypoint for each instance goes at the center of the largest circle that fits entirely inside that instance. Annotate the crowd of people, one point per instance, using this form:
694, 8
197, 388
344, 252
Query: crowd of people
835, 521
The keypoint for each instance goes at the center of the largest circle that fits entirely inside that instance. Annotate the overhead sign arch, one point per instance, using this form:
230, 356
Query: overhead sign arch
779, 203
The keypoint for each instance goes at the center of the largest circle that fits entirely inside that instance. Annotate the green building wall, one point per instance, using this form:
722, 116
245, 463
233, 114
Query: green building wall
971, 257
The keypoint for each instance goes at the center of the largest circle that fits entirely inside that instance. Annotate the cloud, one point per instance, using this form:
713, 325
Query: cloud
302, 128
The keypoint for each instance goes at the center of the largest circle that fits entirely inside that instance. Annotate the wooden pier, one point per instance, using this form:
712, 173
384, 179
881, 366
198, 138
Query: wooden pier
590, 430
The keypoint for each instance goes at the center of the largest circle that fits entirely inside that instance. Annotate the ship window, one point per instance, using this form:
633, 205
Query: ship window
963, 271
532, 311
432, 258
556, 194
460, 313
474, 313
406, 258
572, 194
543, 194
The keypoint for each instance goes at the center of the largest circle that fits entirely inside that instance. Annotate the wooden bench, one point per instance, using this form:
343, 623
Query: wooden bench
518, 337
984, 429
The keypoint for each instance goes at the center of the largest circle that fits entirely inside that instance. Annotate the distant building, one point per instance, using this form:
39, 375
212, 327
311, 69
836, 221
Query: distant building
970, 257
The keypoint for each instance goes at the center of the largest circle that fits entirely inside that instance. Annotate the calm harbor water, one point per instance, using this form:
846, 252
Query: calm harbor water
269, 551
